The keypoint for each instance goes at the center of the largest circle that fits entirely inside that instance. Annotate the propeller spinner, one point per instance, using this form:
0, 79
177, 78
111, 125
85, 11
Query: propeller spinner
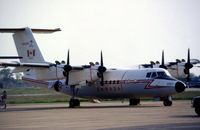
163, 61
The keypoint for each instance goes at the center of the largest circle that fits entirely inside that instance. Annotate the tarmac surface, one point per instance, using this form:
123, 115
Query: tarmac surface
103, 116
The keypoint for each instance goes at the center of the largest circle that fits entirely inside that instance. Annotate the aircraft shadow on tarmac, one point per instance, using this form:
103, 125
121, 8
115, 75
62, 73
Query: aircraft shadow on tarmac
31, 109
53, 107
186, 116
116, 106
175, 126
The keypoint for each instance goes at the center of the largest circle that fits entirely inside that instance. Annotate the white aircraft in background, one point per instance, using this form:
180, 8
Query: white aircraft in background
178, 69
92, 81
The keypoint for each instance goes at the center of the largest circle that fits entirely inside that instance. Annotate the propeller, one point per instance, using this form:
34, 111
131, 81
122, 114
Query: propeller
101, 70
188, 66
67, 68
57, 83
163, 61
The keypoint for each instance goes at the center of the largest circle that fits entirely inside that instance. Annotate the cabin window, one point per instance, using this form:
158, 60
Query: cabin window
117, 81
148, 75
110, 82
114, 82
106, 82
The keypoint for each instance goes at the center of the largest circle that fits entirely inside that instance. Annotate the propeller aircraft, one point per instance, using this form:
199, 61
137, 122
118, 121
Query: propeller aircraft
93, 81
178, 69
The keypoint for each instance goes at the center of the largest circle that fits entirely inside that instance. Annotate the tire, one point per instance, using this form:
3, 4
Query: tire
71, 104
134, 102
74, 103
167, 103
197, 110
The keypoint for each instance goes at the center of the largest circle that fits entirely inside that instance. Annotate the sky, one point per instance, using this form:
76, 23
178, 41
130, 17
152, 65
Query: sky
129, 32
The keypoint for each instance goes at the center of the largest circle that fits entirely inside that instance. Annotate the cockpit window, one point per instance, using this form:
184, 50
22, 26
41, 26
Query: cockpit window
148, 75
159, 75
162, 74
153, 75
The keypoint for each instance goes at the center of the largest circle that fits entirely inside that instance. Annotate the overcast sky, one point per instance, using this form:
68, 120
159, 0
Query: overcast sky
129, 32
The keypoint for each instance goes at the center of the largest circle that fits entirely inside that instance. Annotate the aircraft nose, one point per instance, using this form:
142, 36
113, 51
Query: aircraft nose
180, 87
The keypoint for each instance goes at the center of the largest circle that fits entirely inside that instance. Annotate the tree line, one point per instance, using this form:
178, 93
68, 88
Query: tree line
8, 80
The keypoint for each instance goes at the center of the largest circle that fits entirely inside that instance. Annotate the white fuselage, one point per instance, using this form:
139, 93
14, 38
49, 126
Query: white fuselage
117, 83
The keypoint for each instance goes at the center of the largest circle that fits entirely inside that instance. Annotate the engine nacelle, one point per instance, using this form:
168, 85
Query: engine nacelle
180, 87
86, 75
57, 86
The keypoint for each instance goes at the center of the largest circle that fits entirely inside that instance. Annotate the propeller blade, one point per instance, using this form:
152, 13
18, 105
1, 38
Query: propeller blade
67, 73
188, 58
68, 58
163, 61
188, 76
101, 58
101, 70
163, 58
67, 68
102, 80
67, 78
188, 66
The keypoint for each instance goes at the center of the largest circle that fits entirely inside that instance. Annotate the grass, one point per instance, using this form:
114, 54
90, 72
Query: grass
187, 95
19, 95
29, 95
31, 90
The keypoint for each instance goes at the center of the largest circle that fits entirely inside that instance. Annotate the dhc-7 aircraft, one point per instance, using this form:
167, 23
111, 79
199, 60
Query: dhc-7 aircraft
178, 69
92, 81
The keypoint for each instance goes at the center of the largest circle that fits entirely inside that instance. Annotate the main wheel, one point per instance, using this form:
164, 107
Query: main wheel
77, 102
197, 110
167, 103
134, 102
74, 103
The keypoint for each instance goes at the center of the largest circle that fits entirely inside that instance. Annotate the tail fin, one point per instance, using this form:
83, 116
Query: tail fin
26, 44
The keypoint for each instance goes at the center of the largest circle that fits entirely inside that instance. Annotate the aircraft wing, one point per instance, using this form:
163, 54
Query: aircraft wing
25, 65
21, 67
195, 61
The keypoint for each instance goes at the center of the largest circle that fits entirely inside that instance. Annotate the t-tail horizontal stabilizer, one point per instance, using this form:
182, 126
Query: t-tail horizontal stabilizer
34, 30
11, 57
26, 44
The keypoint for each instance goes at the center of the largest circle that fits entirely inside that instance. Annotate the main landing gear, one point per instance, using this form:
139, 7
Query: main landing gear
134, 101
74, 102
167, 101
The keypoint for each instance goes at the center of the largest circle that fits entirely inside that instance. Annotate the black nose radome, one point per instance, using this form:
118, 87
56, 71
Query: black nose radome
180, 87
